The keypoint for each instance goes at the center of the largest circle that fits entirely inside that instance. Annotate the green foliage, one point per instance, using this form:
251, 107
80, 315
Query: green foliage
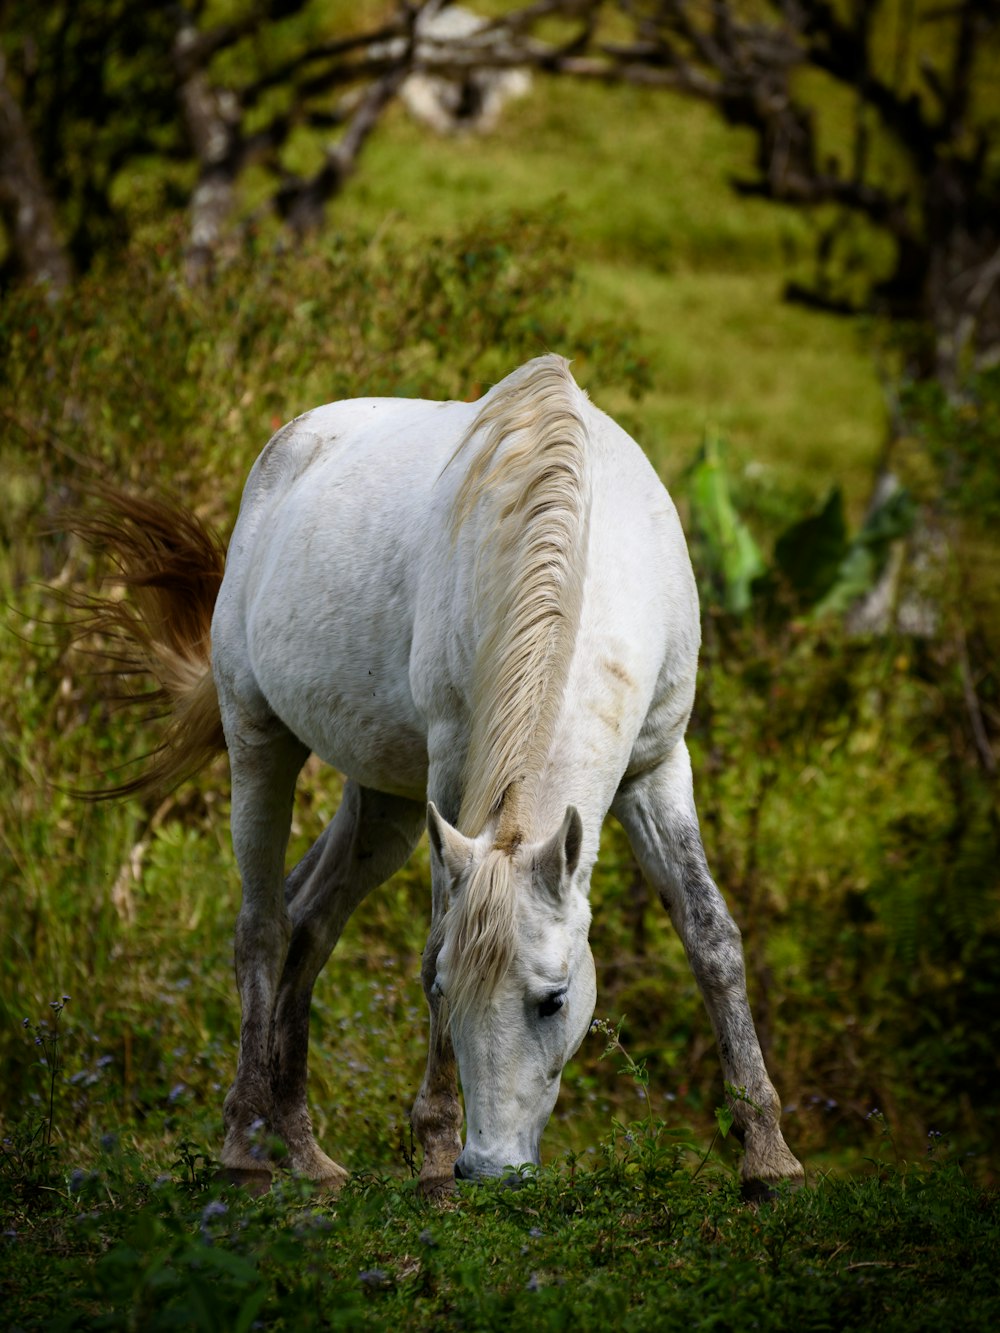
959, 434
818, 567
99, 95
642, 1239
729, 552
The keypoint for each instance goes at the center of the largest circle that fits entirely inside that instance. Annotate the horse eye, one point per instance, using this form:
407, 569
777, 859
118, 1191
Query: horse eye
552, 1004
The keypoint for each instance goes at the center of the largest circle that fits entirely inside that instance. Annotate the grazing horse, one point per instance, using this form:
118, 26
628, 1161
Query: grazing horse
484, 616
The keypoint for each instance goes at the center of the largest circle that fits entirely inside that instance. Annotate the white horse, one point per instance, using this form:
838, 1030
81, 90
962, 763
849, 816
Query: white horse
484, 616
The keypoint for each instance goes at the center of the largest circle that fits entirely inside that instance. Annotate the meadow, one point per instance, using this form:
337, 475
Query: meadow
844, 813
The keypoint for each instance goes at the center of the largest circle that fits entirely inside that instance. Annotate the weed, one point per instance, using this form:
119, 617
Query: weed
28, 1155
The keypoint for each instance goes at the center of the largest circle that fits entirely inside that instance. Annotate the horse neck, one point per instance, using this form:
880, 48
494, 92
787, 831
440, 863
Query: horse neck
527, 489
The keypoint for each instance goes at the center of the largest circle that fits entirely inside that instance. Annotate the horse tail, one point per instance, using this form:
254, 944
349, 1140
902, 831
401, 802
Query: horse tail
171, 564
530, 478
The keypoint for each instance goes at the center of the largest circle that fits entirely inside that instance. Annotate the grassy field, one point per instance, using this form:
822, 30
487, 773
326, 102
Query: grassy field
842, 820
641, 184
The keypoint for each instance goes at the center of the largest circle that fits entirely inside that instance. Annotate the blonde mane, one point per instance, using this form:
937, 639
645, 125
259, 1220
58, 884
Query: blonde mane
528, 483
529, 480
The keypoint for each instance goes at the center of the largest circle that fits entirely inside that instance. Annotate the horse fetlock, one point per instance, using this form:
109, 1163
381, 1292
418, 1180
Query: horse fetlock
767, 1161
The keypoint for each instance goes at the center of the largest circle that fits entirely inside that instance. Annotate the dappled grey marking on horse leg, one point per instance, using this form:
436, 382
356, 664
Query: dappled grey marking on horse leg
369, 838
657, 811
265, 760
437, 1115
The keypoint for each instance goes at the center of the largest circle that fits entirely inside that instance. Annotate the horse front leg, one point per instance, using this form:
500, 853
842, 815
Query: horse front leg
437, 1115
265, 760
658, 813
368, 840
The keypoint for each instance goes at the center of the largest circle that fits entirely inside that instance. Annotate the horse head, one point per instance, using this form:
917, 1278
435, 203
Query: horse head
517, 975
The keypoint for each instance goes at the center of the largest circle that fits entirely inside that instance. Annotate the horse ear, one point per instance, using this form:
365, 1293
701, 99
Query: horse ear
558, 858
450, 848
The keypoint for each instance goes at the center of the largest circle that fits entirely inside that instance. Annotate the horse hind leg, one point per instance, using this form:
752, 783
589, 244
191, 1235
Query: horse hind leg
265, 759
658, 813
369, 838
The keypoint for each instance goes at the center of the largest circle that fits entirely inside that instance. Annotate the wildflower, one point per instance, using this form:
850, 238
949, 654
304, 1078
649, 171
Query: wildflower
77, 1179
375, 1279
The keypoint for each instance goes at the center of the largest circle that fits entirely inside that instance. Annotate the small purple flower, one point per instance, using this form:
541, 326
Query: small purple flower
375, 1279
216, 1208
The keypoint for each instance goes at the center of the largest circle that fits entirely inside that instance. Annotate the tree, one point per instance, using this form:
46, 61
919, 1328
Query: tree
26, 206
99, 100
903, 136
918, 164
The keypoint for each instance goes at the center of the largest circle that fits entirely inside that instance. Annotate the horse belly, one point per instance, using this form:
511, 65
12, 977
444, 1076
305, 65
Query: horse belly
351, 708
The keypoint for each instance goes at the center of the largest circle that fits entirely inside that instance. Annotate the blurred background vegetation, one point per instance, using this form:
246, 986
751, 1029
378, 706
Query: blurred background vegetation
767, 235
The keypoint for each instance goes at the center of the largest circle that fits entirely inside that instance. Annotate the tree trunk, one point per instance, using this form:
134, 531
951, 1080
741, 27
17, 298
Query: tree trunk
36, 250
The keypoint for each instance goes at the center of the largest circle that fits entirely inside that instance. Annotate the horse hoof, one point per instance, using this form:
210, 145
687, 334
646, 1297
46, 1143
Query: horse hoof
436, 1188
756, 1191
255, 1182
330, 1182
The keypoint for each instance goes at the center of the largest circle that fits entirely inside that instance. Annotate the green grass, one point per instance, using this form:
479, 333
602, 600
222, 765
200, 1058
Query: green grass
641, 185
647, 1236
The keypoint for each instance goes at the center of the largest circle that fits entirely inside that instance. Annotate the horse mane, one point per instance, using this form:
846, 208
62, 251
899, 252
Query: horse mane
529, 482
530, 477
